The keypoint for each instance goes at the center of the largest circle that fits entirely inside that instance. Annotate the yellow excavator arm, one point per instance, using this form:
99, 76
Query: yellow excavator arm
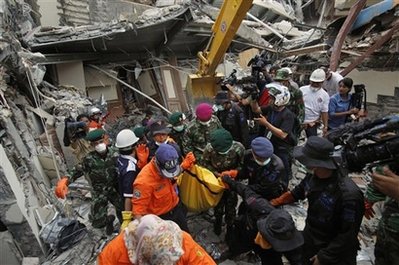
203, 85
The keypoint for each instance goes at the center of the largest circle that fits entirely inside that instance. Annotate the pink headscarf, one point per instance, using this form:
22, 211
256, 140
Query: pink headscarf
153, 241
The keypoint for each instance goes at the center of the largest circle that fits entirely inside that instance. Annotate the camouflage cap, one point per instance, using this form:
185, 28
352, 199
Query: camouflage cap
282, 75
221, 140
95, 135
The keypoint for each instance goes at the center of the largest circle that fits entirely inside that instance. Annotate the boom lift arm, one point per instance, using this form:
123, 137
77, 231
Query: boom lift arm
203, 85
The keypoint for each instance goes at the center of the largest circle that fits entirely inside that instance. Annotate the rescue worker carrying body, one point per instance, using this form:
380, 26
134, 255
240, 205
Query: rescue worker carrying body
155, 190
99, 167
335, 208
270, 232
232, 118
198, 131
223, 154
126, 142
263, 169
177, 122
151, 240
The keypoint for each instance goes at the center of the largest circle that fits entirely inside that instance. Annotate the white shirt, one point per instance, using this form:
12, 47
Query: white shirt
315, 102
331, 86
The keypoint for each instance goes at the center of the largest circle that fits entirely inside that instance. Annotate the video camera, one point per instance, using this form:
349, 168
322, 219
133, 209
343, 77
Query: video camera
368, 144
231, 80
249, 87
258, 63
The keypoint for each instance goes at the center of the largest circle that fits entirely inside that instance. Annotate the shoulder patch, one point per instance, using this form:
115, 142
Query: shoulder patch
136, 194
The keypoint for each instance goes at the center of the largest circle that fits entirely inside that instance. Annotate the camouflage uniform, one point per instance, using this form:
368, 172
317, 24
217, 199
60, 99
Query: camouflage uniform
217, 162
103, 176
197, 136
178, 138
386, 249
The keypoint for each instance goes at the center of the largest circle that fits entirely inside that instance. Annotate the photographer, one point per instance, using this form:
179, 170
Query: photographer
387, 246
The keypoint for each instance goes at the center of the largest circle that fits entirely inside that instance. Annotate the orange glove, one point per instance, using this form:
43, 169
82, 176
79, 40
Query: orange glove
142, 152
188, 161
368, 207
284, 198
61, 189
231, 173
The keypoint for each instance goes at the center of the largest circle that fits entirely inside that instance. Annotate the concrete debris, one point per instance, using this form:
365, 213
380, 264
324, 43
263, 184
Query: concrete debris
163, 3
153, 16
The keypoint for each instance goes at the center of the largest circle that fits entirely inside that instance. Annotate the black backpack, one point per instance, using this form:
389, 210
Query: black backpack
67, 136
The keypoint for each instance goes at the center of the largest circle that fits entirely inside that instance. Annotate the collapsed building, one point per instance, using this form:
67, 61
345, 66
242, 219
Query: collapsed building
59, 58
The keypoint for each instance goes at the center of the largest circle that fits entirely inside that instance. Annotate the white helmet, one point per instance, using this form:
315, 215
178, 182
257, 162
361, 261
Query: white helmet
318, 76
280, 93
287, 69
126, 138
94, 111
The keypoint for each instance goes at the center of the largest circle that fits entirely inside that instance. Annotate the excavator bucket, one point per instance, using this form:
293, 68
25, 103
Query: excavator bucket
203, 88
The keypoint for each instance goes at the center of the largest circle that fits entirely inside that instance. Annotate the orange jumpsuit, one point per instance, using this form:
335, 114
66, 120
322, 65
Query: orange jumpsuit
152, 193
115, 253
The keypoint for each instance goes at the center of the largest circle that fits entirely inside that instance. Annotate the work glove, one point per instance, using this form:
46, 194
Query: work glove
368, 209
231, 173
142, 152
284, 198
188, 161
229, 183
61, 190
127, 218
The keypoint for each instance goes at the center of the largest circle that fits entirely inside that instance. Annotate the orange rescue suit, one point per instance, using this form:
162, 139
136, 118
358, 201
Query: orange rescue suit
115, 253
152, 193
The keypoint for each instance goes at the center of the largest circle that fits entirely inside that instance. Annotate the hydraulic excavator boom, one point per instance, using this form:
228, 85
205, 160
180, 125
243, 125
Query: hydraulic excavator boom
203, 85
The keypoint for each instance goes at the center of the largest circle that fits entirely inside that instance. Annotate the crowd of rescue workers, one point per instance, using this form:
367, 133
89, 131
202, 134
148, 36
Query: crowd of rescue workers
238, 137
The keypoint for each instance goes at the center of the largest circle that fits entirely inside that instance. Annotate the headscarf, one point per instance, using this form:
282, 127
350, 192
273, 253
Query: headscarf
153, 241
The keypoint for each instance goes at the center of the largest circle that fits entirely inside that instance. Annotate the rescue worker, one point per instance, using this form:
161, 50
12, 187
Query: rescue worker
178, 124
140, 132
331, 82
385, 187
279, 123
335, 208
295, 104
151, 240
126, 142
270, 232
293, 84
263, 169
155, 190
220, 155
316, 101
232, 117
159, 132
95, 119
99, 167
197, 134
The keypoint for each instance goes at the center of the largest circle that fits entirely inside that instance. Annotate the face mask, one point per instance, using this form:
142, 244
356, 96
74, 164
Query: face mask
159, 143
219, 107
223, 153
314, 89
179, 128
263, 163
101, 148
309, 171
205, 123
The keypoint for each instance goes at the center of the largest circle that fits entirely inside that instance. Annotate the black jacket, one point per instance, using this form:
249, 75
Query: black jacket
335, 212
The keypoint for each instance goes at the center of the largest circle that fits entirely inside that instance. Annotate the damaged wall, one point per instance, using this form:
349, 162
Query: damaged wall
71, 74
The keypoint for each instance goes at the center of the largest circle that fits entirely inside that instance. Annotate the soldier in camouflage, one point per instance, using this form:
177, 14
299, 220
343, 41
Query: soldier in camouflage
295, 104
197, 134
223, 156
99, 167
177, 121
385, 186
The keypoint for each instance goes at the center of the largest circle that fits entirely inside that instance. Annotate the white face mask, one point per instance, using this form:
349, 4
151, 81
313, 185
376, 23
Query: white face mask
263, 163
205, 123
314, 89
309, 171
159, 143
101, 148
219, 107
223, 153
179, 128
